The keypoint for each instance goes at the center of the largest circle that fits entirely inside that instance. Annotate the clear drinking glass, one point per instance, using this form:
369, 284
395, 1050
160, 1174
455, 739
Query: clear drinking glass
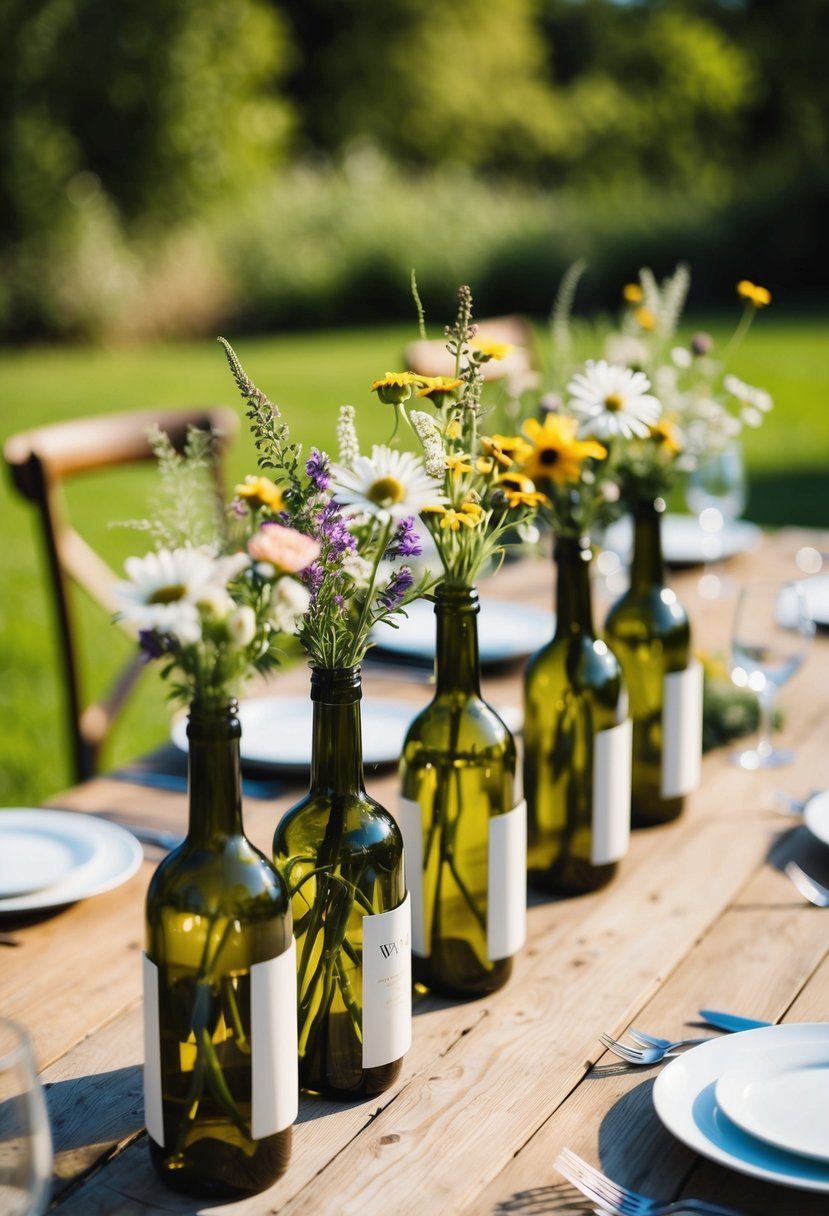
716, 493
25, 1139
769, 641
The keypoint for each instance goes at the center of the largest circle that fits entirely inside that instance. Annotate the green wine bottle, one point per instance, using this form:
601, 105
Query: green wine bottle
341, 855
577, 743
220, 1075
464, 831
649, 632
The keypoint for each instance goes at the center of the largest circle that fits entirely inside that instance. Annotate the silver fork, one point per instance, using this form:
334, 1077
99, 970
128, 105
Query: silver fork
808, 887
644, 1055
652, 1040
621, 1201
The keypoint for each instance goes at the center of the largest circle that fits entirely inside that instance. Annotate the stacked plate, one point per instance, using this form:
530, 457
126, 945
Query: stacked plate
50, 858
756, 1102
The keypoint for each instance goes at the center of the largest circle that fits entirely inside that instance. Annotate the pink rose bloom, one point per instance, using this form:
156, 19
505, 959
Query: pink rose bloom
286, 549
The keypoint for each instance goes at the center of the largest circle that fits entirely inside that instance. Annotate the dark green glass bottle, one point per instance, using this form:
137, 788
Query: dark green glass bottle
220, 1076
341, 855
577, 743
465, 836
649, 632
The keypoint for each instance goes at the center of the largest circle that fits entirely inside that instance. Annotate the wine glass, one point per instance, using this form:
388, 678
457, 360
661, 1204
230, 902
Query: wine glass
25, 1139
769, 641
716, 493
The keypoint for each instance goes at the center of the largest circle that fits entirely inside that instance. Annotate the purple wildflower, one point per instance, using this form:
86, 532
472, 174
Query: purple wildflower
152, 644
395, 590
334, 532
405, 542
317, 468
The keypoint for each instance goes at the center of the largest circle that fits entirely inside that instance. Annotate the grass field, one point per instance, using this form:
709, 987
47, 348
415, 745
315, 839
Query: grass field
309, 376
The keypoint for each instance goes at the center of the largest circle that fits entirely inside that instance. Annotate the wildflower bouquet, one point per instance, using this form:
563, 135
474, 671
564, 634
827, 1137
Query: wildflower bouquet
697, 407
353, 520
484, 500
212, 598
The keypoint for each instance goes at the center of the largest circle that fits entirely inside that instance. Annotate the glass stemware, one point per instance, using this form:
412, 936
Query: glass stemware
25, 1139
716, 493
769, 641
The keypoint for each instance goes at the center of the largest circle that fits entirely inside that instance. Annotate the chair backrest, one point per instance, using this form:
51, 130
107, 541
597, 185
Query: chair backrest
40, 461
429, 357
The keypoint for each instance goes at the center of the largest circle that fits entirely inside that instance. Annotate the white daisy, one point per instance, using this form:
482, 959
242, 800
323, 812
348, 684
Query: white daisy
164, 587
388, 483
613, 400
289, 602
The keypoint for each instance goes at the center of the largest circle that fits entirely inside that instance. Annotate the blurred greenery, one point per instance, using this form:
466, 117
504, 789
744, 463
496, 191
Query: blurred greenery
168, 168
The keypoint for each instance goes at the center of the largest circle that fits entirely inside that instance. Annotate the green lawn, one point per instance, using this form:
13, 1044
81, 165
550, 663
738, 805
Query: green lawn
309, 376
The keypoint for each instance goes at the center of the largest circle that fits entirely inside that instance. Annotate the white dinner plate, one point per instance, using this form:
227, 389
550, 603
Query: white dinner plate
30, 861
782, 1098
102, 855
684, 1095
816, 591
816, 816
684, 542
277, 730
506, 631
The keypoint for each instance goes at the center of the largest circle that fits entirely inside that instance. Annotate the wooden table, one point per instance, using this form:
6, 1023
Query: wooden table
492, 1089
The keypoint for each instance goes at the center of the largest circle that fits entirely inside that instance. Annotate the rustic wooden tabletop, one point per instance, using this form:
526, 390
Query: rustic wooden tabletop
700, 914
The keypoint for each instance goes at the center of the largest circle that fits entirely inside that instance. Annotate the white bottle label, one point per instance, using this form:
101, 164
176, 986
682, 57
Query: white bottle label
410, 822
274, 1054
612, 757
153, 1111
387, 985
506, 919
682, 730
274, 1059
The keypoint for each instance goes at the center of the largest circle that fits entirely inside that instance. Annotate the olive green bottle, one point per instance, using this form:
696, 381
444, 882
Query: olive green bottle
220, 1074
463, 825
577, 743
341, 855
649, 632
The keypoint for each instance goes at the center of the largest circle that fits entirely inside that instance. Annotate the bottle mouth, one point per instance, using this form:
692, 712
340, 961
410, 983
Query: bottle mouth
458, 599
336, 686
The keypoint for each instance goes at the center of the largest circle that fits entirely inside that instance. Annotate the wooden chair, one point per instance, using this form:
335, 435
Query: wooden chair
429, 357
40, 461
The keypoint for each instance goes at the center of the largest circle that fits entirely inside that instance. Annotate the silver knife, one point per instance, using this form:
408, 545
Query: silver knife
730, 1021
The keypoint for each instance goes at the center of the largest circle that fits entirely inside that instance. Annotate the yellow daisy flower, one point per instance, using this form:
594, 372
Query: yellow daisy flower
506, 449
758, 296
486, 350
396, 387
557, 455
261, 492
667, 436
632, 293
469, 514
438, 388
644, 318
520, 491
458, 464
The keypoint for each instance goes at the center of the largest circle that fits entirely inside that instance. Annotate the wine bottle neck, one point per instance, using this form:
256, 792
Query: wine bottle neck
337, 749
574, 614
214, 772
647, 566
457, 665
